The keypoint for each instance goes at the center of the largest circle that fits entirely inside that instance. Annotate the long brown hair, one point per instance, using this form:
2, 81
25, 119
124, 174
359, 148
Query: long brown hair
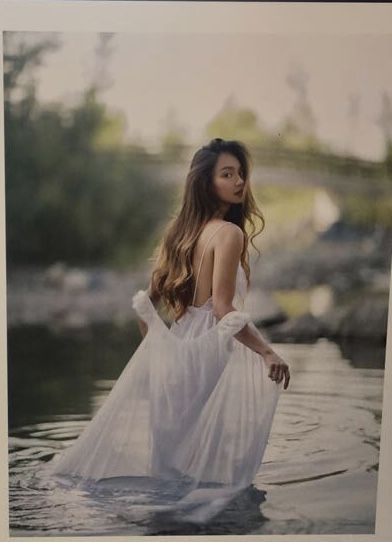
173, 280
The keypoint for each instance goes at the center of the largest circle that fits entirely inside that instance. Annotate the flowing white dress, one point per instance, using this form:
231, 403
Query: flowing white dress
193, 403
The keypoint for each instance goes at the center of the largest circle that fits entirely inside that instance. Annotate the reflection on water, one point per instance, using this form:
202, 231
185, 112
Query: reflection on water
319, 473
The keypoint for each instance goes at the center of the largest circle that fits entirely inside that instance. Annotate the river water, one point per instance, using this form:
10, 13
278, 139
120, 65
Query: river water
319, 473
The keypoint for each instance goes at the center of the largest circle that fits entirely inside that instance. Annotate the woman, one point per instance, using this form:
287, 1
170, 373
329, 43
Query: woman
195, 402
217, 193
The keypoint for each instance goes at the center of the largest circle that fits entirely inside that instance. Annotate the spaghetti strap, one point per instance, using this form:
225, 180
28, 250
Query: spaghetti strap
202, 254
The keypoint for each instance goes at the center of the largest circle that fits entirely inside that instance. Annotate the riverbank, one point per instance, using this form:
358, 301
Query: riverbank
340, 283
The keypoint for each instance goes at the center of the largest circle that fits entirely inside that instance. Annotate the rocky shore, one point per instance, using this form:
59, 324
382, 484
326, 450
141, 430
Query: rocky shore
348, 281
348, 285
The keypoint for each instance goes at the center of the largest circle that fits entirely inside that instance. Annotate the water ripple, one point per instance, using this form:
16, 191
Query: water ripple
319, 473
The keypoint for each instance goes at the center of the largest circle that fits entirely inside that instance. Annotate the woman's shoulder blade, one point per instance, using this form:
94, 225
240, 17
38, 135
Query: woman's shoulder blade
224, 228
223, 234
230, 234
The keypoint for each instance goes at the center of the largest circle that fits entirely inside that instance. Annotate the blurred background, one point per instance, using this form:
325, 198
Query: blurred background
99, 132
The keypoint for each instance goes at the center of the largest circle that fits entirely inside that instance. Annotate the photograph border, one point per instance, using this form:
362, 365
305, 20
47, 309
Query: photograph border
195, 17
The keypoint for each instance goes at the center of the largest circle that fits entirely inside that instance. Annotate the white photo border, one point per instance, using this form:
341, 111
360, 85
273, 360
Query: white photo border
194, 17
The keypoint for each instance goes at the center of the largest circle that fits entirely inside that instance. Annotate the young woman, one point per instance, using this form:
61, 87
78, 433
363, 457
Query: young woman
216, 207
196, 401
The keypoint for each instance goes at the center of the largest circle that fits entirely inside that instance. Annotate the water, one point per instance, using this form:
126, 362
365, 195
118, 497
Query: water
319, 473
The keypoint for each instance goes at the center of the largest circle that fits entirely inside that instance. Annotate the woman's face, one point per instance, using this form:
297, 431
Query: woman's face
228, 179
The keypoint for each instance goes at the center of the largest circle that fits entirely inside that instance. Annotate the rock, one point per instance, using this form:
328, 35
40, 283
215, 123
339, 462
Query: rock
379, 281
305, 328
342, 231
70, 297
76, 280
60, 276
364, 318
347, 263
54, 275
263, 308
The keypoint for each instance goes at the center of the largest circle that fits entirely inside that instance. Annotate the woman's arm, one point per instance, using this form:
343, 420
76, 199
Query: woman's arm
227, 252
278, 368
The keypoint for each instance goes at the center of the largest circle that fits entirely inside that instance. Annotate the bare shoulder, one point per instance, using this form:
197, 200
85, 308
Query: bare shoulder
228, 242
230, 234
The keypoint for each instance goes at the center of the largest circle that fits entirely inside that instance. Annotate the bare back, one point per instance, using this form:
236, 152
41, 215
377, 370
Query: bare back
203, 259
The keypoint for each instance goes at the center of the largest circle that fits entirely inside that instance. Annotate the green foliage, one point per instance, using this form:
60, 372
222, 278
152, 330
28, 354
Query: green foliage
234, 122
384, 121
292, 136
173, 139
388, 159
173, 146
20, 58
75, 190
294, 145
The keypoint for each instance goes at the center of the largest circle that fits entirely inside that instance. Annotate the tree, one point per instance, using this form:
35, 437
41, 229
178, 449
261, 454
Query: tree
385, 122
235, 122
74, 191
173, 140
353, 112
298, 130
21, 59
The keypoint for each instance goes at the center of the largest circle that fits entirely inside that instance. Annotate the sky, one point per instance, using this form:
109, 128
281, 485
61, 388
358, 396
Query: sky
194, 74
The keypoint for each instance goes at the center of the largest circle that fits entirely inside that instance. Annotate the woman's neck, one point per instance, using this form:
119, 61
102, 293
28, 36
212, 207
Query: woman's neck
220, 213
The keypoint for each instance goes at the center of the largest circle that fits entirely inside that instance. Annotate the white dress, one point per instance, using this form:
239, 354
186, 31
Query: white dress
193, 403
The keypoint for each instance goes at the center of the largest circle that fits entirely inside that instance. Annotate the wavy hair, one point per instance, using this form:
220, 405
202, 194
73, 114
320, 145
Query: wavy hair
172, 279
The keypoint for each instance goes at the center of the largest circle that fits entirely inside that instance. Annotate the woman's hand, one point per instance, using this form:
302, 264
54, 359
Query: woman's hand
278, 369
